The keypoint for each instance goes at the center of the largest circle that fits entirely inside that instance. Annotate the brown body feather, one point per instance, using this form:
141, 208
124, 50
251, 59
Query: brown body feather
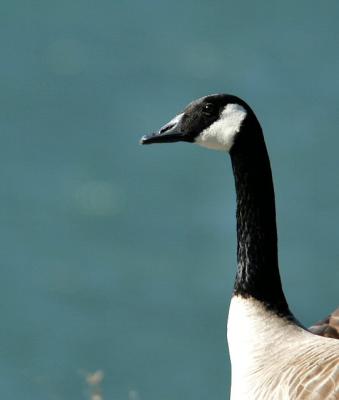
328, 327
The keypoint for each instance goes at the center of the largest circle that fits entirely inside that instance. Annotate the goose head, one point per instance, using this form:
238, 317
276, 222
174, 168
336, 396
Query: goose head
212, 121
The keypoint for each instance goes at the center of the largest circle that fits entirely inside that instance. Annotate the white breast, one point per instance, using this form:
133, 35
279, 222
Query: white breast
273, 358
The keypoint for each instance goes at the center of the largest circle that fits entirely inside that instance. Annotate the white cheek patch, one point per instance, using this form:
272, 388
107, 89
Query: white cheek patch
220, 135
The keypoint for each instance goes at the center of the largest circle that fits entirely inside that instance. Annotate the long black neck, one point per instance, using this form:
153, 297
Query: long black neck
257, 255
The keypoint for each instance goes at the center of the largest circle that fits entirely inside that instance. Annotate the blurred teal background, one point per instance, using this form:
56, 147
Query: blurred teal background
120, 258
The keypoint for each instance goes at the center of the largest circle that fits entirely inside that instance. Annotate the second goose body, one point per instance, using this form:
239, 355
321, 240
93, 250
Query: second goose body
272, 355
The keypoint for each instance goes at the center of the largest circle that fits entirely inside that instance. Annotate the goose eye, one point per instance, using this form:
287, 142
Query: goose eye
208, 108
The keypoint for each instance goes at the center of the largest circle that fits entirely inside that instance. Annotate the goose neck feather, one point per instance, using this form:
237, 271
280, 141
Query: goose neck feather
257, 256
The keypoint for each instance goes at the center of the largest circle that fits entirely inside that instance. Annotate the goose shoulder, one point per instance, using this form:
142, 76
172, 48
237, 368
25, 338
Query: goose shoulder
317, 375
312, 374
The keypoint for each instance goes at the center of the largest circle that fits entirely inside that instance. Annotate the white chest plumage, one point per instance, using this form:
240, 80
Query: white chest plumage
273, 358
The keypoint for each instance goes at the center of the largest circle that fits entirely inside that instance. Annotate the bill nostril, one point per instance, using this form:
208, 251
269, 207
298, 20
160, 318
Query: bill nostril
166, 128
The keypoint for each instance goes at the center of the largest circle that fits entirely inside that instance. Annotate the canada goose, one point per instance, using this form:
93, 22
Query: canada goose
272, 355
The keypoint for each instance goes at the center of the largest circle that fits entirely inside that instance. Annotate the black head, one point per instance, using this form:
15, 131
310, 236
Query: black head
212, 121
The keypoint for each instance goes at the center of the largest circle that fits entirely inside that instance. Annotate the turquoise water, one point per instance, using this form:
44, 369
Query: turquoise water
121, 258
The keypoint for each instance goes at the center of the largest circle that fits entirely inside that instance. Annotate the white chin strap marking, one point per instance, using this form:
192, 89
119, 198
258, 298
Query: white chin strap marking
220, 135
